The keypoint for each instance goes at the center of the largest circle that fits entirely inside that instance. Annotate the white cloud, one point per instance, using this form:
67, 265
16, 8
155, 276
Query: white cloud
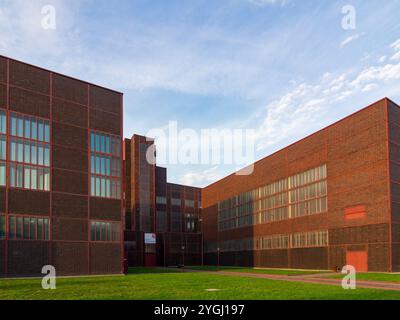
382, 59
350, 39
396, 47
201, 178
263, 3
370, 87
297, 111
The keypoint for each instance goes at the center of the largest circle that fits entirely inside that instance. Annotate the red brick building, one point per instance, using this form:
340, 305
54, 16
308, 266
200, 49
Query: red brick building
169, 212
60, 179
328, 200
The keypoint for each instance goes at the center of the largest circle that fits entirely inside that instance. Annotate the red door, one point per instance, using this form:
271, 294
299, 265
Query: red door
357, 259
150, 260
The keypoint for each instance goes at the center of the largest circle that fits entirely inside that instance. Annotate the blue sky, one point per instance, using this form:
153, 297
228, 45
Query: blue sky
284, 68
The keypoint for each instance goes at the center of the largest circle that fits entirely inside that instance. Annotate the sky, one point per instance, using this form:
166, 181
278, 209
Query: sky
281, 69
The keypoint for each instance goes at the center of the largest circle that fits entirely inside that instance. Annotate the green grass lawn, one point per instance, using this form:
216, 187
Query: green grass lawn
387, 277
253, 270
173, 284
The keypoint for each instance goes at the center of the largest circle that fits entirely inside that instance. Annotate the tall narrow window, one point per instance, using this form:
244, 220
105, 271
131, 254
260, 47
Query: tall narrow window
3, 148
2, 227
105, 164
29, 153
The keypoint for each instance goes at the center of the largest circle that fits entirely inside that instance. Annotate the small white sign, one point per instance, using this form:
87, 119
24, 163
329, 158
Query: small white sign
150, 238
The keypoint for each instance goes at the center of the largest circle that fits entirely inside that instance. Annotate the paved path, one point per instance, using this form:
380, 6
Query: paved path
313, 278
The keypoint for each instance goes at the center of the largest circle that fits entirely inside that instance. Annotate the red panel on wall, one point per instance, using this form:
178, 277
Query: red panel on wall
357, 212
150, 260
357, 259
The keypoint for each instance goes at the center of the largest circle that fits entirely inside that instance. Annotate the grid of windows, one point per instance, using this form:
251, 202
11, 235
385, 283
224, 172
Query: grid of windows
105, 166
102, 231
176, 202
309, 239
296, 240
161, 200
189, 203
29, 153
28, 228
3, 147
299, 195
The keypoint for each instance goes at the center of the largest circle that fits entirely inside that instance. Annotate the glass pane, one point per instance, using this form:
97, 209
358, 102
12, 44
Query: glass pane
33, 153
34, 178
27, 178
26, 228
47, 132
20, 129
40, 130
33, 229
3, 227
47, 156
27, 153
27, 129
40, 229
34, 129
40, 156
13, 125
46, 229
2, 174
19, 227
92, 141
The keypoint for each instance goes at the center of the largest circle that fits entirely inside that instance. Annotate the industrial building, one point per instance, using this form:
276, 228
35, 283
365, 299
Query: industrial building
74, 195
60, 174
163, 220
328, 200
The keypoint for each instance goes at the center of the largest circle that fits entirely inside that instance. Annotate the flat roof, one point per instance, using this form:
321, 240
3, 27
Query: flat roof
61, 74
309, 136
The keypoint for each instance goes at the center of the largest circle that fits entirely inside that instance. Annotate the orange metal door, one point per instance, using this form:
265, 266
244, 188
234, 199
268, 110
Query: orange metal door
357, 259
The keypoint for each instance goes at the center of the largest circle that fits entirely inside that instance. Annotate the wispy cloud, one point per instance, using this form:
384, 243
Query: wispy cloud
299, 109
351, 39
263, 3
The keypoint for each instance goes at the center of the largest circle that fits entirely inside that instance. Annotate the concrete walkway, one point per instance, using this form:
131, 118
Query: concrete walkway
311, 278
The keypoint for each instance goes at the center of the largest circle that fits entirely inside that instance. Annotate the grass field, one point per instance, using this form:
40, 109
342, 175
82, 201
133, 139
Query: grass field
387, 277
260, 271
143, 284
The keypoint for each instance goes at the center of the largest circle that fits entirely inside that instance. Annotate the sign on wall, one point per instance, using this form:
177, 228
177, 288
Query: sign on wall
150, 238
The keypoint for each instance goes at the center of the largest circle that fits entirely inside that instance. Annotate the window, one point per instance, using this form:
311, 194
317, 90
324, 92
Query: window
161, 221
176, 202
105, 231
161, 200
309, 239
176, 222
296, 196
3, 148
189, 203
29, 153
28, 228
191, 221
105, 162
2, 227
